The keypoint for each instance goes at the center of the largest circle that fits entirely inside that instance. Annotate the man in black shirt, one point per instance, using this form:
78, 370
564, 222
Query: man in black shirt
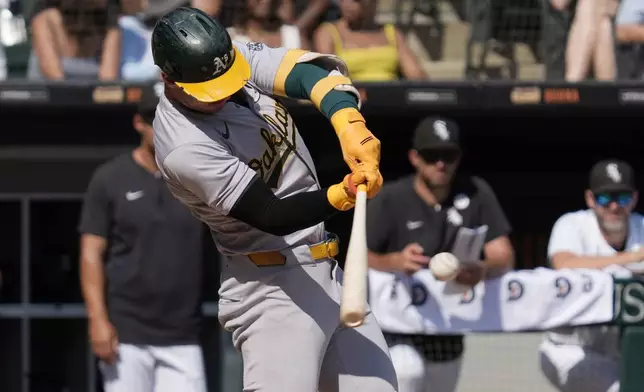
418, 216
141, 247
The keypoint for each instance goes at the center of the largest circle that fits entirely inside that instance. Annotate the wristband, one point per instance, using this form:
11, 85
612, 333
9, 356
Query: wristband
326, 85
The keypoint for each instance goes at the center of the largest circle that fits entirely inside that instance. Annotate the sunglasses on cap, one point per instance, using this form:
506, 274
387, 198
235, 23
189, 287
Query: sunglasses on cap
622, 199
435, 156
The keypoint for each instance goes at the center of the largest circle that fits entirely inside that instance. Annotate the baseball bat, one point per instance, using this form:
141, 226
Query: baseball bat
353, 305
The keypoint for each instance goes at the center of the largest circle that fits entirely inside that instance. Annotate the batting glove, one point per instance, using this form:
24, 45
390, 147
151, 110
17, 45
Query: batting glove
342, 196
360, 148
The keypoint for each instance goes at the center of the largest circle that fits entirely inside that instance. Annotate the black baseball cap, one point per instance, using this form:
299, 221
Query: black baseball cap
147, 106
612, 176
436, 133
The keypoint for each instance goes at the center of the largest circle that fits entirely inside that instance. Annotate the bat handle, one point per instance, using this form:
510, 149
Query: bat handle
354, 294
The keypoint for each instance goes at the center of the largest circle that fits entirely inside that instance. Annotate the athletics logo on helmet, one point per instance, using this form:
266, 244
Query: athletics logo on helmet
196, 52
223, 63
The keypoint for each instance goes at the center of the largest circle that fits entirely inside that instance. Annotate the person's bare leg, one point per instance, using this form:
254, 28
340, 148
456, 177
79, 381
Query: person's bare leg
582, 39
604, 57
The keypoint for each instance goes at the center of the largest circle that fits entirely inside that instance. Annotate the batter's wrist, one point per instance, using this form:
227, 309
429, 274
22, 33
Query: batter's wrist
345, 117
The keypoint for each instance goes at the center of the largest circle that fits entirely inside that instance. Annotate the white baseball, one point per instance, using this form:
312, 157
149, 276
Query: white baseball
444, 266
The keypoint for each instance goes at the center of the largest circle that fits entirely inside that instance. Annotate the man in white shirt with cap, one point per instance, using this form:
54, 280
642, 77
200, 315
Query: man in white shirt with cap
608, 235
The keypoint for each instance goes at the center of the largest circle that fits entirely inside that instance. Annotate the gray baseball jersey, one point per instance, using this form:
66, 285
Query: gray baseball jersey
282, 315
208, 160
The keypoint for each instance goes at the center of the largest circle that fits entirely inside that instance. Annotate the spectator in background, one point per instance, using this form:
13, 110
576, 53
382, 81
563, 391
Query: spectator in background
372, 54
137, 64
418, 216
149, 247
211, 7
590, 40
629, 33
137, 22
309, 17
630, 21
607, 235
260, 21
75, 40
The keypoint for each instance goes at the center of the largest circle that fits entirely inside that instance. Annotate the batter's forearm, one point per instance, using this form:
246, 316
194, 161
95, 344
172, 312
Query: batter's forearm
311, 82
259, 208
93, 287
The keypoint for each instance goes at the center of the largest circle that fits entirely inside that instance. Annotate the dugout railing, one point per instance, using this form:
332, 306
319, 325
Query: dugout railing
533, 143
22, 310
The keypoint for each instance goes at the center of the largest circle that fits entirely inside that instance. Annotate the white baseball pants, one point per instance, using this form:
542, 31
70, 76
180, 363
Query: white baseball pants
155, 369
570, 368
415, 374
285, 322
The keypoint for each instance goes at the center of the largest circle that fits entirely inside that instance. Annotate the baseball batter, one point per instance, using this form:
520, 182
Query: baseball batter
234, 157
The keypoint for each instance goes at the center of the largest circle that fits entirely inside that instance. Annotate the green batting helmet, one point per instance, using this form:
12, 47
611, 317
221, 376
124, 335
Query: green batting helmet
196, 52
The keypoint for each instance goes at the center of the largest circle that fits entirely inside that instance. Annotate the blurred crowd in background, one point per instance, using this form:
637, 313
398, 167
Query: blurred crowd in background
381, 40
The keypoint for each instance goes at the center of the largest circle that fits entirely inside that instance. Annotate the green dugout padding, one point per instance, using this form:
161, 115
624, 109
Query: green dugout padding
629, 313
632, 367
